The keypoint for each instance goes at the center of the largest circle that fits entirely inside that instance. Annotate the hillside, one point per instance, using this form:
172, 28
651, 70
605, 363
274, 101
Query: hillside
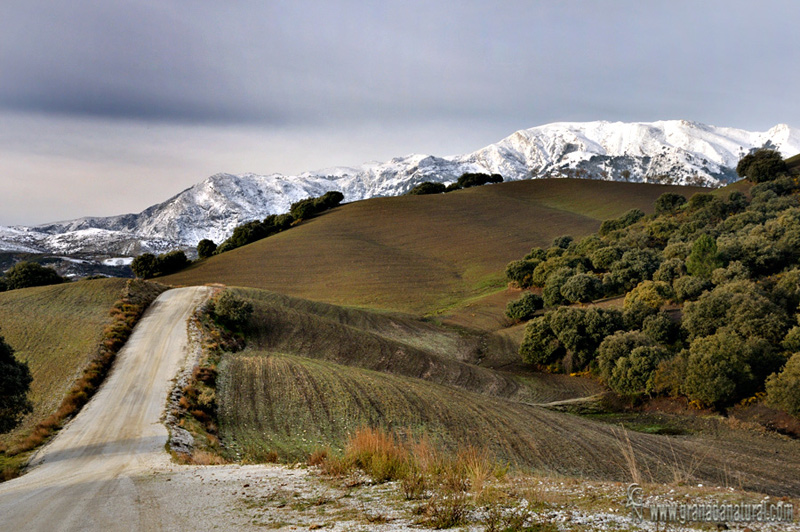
55, 329
666, 152
294, 391
422, 254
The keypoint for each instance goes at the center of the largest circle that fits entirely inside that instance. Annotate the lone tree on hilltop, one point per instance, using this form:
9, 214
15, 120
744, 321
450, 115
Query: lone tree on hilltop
15, 381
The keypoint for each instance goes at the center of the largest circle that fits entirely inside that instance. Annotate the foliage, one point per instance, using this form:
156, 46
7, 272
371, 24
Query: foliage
147, 265
525, 307
629, 218
654, 294
28, 274
520, 272
762, 165
206, 248
308, 208
634, 372
468, 180
230, 310
783, 389
427, 187
717, 372
582, 287
669, 202
15, 381
704, 258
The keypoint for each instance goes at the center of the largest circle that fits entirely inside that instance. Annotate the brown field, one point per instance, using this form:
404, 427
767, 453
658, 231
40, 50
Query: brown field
56, 329
294, 405
422, 254
400, 345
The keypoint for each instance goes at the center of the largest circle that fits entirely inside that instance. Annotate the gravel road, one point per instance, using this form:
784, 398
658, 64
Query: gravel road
85, 479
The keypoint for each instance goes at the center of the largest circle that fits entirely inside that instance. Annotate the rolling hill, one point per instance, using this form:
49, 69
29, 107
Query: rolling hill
422, 254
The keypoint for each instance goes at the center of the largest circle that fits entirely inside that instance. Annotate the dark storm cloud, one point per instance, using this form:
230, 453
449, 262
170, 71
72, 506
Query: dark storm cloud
316, 62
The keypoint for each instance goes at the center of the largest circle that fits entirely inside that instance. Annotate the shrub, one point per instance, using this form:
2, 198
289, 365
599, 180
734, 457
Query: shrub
669, 203
580, 332
147, 265
206, 248
783, 389
231, 311
669, 270
562, 242
144, 266
525, 307
427, 188
602, 259
15, 381
716, 372
551, 293
627, 219
28, 274
468, 180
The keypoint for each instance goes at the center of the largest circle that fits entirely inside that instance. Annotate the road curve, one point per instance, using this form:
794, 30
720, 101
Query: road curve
85, 478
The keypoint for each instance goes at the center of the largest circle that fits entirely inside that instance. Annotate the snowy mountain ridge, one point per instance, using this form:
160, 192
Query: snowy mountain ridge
668, 152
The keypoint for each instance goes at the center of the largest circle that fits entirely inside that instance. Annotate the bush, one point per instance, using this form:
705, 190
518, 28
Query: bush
468, 180
231, 311
582, 287
627, 219
669, 270
661, 328
669, 203
28, 274
562, 242
551, 293
427, 188
525, 307
15, 381
581, 331
148, 265
761, 166
783, 389
206, 248
144, 266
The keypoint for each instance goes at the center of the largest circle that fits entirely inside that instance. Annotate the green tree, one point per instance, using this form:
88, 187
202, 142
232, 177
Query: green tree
27, 274
15, 381
582, 287
427, 187
525, 307
616, 346
717, 373
206, 248
540, 344
761, 166
783, 389
669, 203
704, 258
171, 262
145, 266
633, 373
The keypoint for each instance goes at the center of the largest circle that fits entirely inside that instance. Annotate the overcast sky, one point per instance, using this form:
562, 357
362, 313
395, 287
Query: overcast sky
108, 106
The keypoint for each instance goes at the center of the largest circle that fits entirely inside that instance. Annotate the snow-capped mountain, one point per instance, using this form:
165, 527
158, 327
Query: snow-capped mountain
674, 152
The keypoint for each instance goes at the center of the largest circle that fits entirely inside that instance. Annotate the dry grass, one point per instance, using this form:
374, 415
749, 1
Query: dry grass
421, 254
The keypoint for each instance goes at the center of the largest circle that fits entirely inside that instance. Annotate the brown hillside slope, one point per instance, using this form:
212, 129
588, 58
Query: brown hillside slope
422, 254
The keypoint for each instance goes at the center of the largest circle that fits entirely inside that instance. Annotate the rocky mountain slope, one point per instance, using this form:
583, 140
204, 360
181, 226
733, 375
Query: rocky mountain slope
670, 152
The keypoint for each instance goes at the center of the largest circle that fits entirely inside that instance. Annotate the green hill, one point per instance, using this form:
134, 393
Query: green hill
55, 329
422, 254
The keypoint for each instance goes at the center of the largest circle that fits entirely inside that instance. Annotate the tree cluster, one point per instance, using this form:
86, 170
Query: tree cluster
28, 274
255, 230
148, 265
466, 180
711, 290
15, 381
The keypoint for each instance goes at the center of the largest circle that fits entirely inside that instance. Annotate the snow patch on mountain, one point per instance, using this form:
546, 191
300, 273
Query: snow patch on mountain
670, 152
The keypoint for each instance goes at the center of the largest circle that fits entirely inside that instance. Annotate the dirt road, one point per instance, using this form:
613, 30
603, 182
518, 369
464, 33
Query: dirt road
85, 478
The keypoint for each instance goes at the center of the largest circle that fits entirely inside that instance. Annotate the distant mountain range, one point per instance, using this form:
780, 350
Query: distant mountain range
667, 152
